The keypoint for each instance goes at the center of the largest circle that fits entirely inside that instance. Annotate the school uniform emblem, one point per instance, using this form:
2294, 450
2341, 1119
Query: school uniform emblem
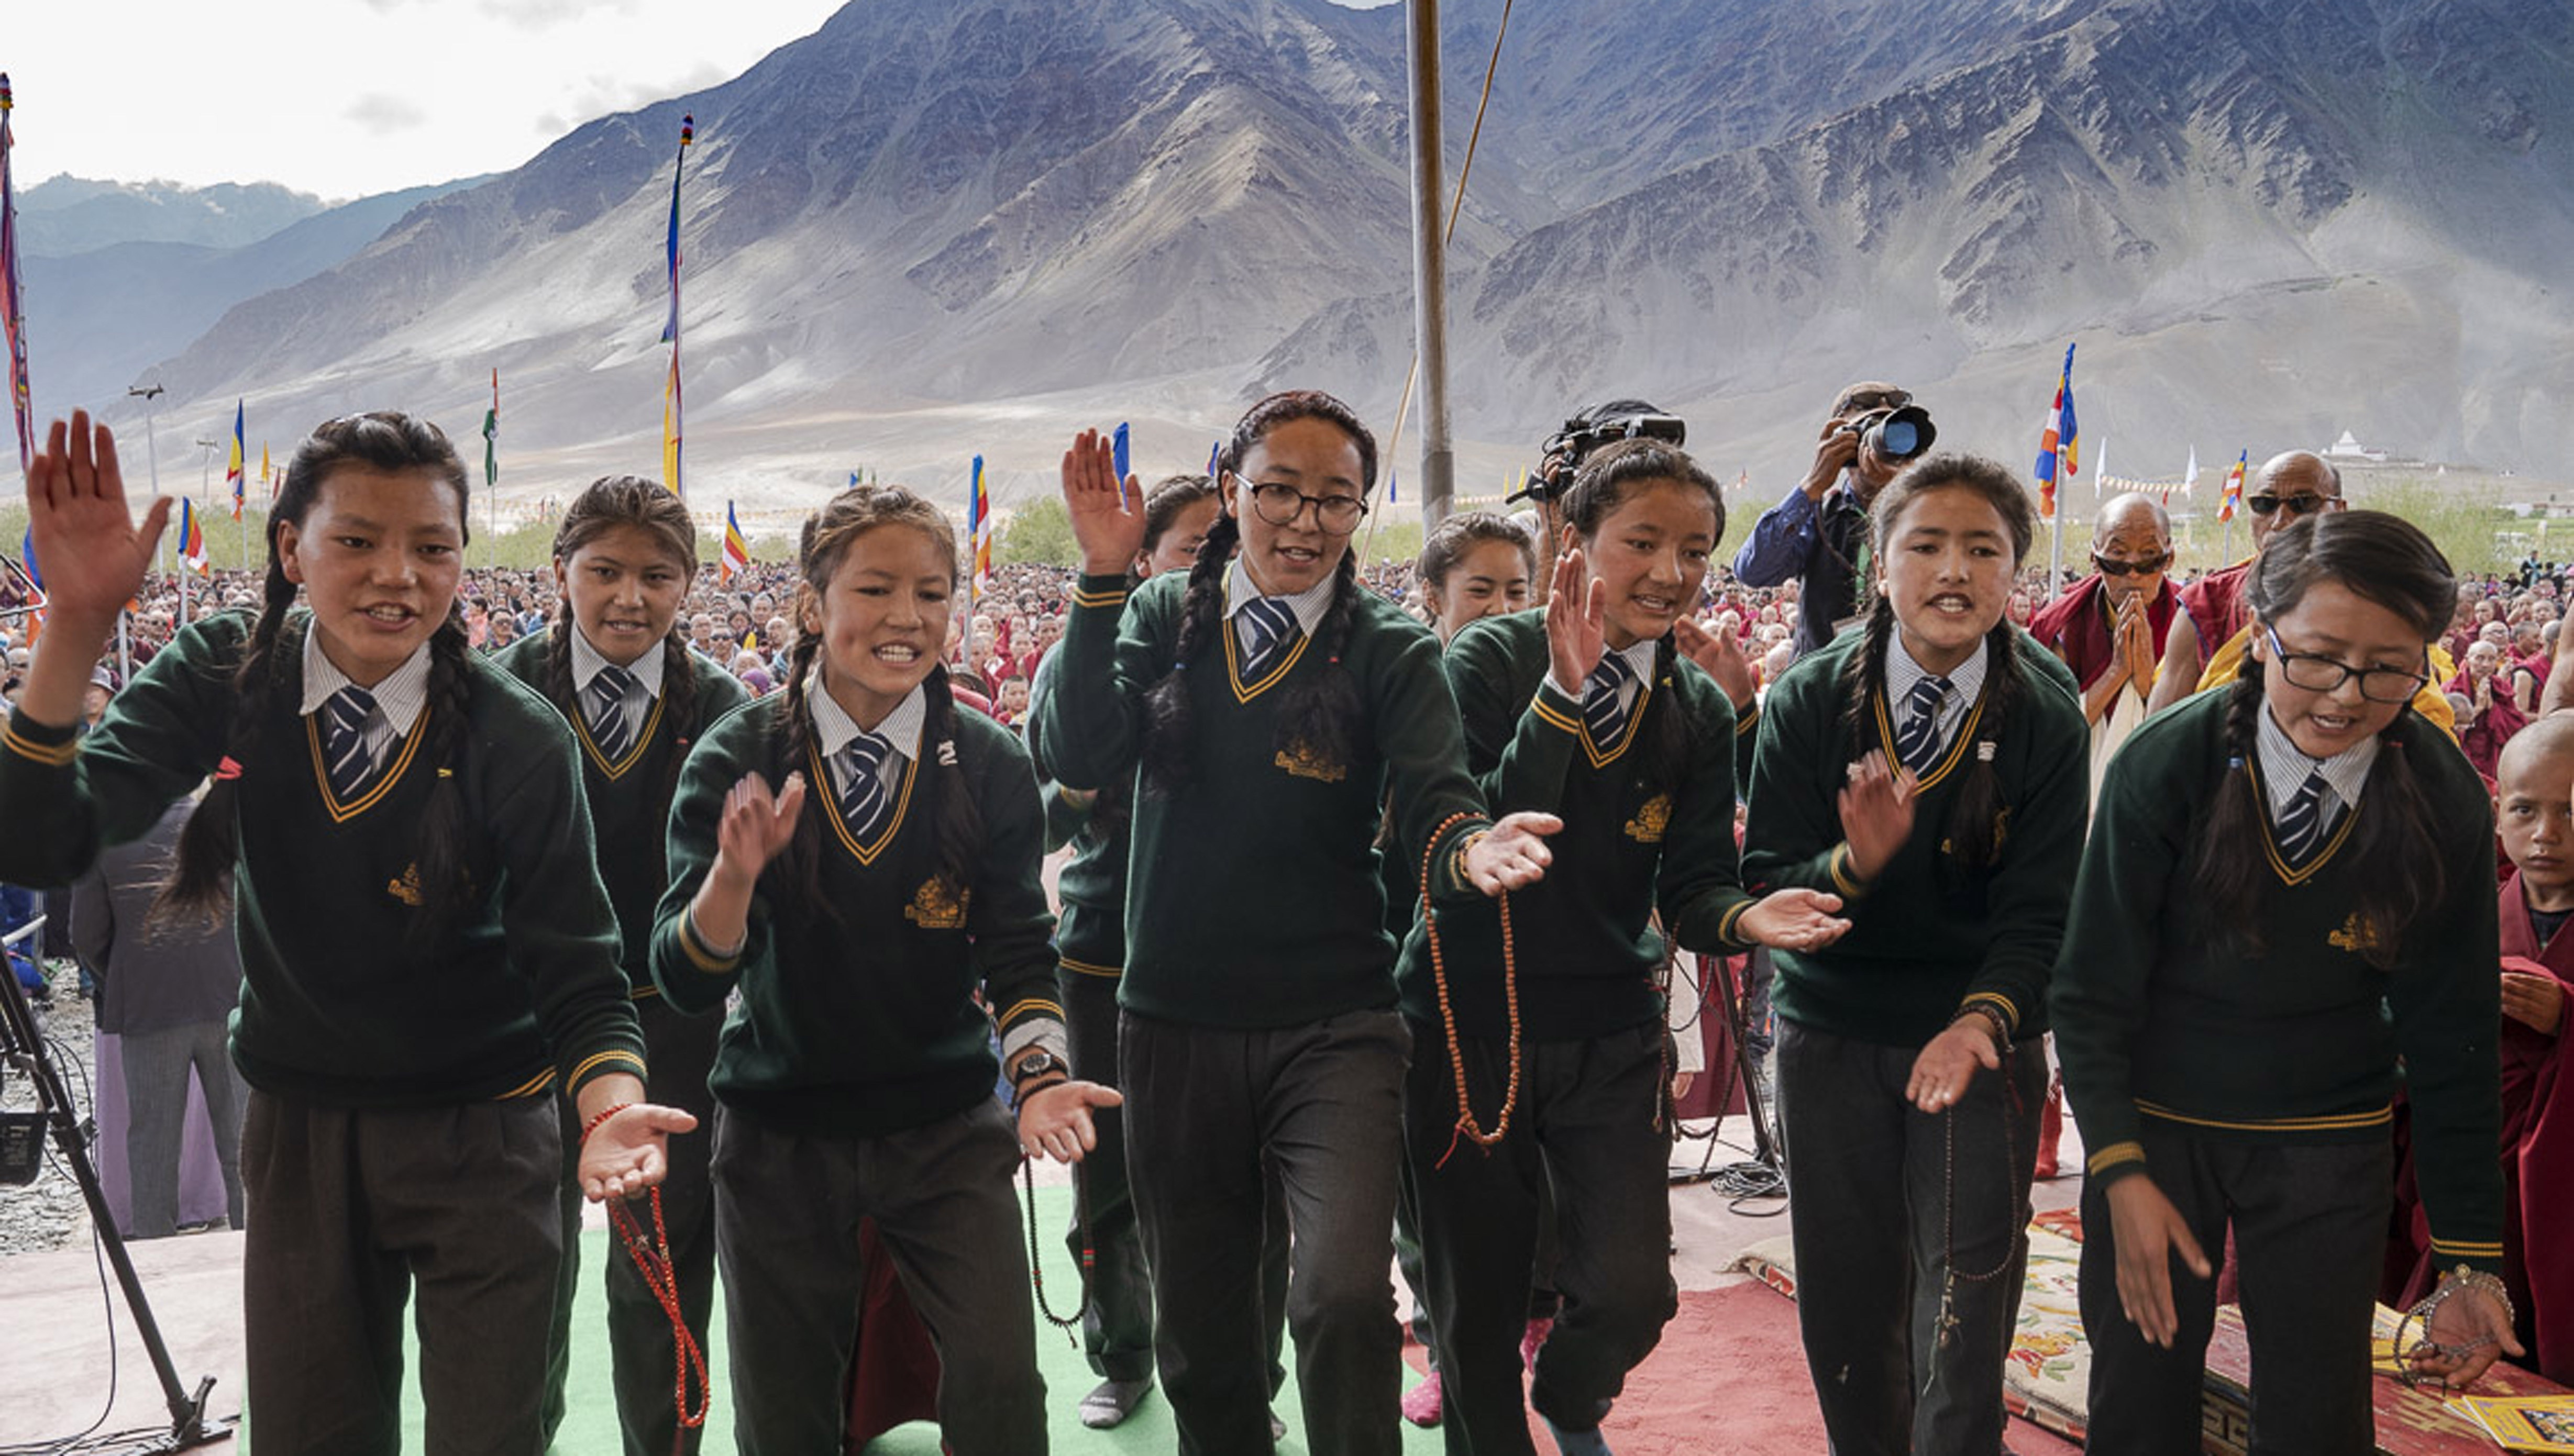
1653, 819
2357, 935
935, 908
1307, 762
407, 888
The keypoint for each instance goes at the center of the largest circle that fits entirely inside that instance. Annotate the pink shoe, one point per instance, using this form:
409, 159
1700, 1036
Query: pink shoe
1537, 1329
1422, 1403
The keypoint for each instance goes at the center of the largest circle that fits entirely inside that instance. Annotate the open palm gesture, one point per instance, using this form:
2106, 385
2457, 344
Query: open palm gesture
1576, 623
1107, 512
92, 554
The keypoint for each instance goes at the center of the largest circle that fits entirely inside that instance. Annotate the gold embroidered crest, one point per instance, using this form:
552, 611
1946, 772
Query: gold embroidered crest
406, 889
933, 907
1305, 762
2357, 936
1652, 820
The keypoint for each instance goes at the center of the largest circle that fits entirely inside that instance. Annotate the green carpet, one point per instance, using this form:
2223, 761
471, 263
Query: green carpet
590, 1425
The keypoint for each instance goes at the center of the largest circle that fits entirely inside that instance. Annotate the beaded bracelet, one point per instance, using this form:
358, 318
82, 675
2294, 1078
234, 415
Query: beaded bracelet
600, 1117
1992, 1019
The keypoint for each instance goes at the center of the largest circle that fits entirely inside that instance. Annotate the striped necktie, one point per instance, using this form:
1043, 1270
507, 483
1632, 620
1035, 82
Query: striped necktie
1604, 707
1917, 742
606, 709
1272, 626
345, 715
2301, 823
862, 795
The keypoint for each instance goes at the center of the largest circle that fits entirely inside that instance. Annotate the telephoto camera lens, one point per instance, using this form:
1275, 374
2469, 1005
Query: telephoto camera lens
1900, 434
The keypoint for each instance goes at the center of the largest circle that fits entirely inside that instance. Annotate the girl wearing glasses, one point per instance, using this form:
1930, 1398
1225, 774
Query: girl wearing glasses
1273, 706
2288, 889
1932, 772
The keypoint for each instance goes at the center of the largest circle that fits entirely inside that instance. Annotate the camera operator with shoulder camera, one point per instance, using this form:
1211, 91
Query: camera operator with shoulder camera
1819, 533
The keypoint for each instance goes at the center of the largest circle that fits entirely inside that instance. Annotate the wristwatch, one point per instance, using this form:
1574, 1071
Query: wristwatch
1036, 1061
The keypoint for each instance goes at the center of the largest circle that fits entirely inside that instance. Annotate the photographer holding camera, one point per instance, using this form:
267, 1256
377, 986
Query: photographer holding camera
1819, 533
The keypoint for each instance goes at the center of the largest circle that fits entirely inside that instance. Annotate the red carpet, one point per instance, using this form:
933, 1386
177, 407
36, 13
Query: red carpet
1729, 1379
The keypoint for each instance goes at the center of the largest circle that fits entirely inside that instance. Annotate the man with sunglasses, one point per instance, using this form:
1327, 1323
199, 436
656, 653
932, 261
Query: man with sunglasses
1817, 534
2288, 488
2109, 626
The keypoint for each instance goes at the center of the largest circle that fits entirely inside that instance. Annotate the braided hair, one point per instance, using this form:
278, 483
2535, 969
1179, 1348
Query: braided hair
1604, 480
1972, 836
2384, 560
201, 879
828, 533
1323, 711
609, 503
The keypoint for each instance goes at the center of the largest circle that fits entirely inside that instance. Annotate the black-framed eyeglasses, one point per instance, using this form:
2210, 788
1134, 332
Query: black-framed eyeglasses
2297, 504
1279, 504
2112, 566
2316, 673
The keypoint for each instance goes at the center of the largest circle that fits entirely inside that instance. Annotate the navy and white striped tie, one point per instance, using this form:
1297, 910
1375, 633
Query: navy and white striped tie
345, 715
862, 795
1604, 707
606, 710
1273, 626
1916, 741
2301, 823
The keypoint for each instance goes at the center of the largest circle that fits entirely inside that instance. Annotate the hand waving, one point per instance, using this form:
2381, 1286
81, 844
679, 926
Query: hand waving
92, 554
1876, 813
1107, 512
1577, 608
1720, 652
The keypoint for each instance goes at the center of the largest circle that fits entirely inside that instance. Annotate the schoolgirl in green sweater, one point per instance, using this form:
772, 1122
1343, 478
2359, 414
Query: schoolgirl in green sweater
621, 673
427, 953
1932, 769
1278, 711
2288, 907
860, 909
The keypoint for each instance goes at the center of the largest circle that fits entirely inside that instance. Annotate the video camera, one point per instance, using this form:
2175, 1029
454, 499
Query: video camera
1589, 429
1895, 433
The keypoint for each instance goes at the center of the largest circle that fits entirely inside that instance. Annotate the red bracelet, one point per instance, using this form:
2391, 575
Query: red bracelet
602, 1116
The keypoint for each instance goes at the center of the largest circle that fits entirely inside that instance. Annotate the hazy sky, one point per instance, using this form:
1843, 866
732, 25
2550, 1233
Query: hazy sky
348, 97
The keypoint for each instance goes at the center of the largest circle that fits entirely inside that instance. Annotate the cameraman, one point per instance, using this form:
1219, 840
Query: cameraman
1819, 532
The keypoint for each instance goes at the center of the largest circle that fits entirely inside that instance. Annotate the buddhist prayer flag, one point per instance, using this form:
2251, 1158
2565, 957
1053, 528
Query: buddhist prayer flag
736, 548
192, 538
234, 476
2057, 452
2233, 487
979, 533
13, 323
670, 411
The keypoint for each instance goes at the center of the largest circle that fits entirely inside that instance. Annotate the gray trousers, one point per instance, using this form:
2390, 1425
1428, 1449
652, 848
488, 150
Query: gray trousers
1911, 1237
1322, 1103
2309, 1238
358, 1209
157, 1065
786, 1241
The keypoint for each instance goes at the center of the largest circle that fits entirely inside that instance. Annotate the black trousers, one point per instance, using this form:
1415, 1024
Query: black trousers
1911, 1237
1117, 1327
2310, 1239
353, 1212
787, 1240
1206, 1108
1585, 1123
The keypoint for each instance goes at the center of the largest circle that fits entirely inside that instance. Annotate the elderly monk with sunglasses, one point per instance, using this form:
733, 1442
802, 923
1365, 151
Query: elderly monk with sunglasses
2209, 634
2109, 626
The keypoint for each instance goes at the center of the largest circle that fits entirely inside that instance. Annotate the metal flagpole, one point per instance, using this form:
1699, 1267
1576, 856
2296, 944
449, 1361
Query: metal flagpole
1430, 268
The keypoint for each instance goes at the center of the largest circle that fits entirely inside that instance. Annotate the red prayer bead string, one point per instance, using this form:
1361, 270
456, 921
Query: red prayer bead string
1467, 1126
653, 1261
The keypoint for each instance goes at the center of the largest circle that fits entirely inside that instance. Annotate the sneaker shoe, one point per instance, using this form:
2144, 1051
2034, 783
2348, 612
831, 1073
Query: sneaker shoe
1530, 1342
1112, 1401
1424, 1403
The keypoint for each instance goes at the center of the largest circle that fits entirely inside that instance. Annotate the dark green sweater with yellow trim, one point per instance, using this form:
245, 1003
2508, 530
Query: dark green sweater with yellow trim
626, 797
1585, 945
2162, 1013
1254, 897
339, 1004
857, 1017
1090, 925
1922, 943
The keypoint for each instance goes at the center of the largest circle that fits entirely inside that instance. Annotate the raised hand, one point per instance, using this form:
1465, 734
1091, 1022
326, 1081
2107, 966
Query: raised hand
1514, 854
1577, 609
1107, 512
1793, 920
92, 552
1720, 653
1876, 813
1054, 1121
755, 825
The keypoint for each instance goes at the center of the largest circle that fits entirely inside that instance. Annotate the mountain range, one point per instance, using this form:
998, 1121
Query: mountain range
934, 227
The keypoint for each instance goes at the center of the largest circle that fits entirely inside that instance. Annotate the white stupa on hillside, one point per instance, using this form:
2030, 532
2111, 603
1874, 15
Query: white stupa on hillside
2348, 448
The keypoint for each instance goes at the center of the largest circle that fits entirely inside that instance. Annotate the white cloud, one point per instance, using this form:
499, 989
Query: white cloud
384, 113
597, 96
545, 14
